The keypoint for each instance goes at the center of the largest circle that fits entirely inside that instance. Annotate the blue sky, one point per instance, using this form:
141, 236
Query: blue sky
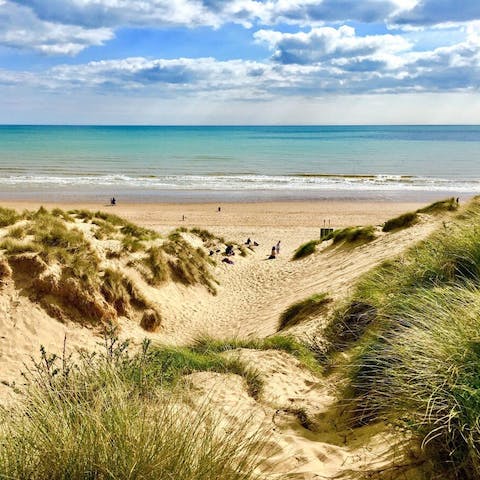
239, 61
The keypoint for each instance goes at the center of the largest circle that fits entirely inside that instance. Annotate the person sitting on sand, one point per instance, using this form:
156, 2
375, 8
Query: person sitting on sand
229, 250
255, 244
273, 254
227, 260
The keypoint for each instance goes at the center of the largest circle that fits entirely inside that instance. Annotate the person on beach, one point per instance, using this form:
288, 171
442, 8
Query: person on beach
113, 201
248, 242
273, 254
219, 209
278, 247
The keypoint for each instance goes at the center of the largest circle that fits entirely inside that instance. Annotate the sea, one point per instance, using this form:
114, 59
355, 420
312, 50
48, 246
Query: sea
238, 163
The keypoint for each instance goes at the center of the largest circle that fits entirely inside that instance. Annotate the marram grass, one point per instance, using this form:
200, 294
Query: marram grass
414, 344
103, 418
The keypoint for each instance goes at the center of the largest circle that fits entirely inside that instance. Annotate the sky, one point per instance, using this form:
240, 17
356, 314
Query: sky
240, 62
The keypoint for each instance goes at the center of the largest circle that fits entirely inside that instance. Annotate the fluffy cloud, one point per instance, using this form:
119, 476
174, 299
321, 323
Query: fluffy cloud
327, 44
335, 62
20, 28
432, 12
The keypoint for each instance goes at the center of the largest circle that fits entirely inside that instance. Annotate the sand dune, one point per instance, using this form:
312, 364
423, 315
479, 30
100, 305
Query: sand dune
252, 293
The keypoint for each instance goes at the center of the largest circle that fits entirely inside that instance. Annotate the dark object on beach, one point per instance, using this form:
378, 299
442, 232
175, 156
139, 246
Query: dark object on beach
229, 250
218, 250
248, 242
211, 252
256, 244
219, 209
278, 247
183, 217
113, 201
273, 254
227, 260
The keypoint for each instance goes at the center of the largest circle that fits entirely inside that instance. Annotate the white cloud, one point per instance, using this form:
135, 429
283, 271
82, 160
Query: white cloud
324, 44
20, 28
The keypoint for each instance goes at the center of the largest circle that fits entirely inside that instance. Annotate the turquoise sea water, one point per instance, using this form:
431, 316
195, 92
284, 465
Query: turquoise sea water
202, 163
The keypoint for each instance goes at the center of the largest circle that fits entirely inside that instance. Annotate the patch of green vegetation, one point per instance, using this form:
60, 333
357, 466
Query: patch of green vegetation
410, 218
13, 246
17, 232
157, 265
104, 229
172, 363
402, 221
188, 265
306, 249
109, 416
447, 205
277, 342
411, 327
352, 235
303, 310
8, 217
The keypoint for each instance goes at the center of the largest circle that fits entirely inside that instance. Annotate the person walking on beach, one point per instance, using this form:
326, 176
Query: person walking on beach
219, 209
278, 247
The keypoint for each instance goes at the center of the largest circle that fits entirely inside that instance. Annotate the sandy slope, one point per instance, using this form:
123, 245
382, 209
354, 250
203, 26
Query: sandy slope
251, 295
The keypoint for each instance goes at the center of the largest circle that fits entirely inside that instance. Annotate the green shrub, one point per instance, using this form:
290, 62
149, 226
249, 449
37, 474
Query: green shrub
300, 311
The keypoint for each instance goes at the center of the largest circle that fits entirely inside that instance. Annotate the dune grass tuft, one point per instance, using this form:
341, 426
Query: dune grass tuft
305, 250
109, 416
402, 221
277, 342
352, 235
301, 311
447, 205
8, 217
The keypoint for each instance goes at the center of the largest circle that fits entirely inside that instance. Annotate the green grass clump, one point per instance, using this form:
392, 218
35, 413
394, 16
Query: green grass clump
300, 311
447, 205
188, 265
175, 362
277, 342
402, 221
17, 232
104, 418
352, 235
104, 229
13, 246
157, 265
305, 250
8, 217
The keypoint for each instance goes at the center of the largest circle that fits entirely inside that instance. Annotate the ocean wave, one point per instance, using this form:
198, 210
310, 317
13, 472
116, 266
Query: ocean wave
249, 182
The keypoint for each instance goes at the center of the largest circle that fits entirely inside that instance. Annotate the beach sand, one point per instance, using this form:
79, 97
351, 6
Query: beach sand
252, 293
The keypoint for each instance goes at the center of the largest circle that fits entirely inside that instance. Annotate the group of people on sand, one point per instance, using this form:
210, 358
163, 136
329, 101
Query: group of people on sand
274, 252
